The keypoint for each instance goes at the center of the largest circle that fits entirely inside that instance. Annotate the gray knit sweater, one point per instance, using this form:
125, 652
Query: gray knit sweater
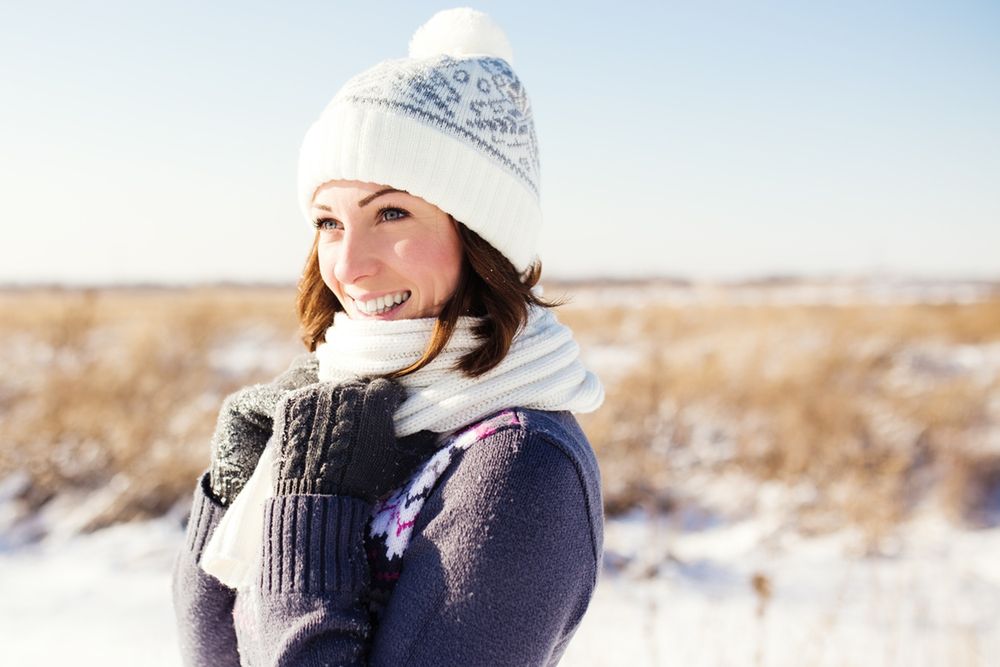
500, 568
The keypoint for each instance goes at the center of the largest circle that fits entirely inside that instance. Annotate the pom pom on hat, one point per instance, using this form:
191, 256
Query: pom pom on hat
460, 32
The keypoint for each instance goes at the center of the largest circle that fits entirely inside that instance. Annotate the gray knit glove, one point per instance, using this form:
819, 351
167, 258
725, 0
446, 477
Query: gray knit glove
338, 439
244, 426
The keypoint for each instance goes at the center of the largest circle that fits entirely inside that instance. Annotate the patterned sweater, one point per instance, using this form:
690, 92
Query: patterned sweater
488, 556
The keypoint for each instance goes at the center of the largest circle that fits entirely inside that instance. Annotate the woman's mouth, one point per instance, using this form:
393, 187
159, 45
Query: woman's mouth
381, 305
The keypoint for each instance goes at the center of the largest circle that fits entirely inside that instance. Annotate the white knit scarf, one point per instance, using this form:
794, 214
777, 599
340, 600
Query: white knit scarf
542, 371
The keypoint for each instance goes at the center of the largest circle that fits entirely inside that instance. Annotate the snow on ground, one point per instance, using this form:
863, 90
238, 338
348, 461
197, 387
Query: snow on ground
936, 602
99, 599
677, 590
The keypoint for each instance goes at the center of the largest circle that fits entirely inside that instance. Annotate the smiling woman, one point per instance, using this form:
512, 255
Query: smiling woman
414, 489
388, 254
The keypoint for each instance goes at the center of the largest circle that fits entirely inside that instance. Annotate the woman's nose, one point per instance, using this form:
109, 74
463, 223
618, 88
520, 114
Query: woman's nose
358, 257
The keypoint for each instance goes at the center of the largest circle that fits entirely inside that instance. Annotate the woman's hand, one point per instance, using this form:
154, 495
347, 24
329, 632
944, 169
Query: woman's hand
338, 439
244, 426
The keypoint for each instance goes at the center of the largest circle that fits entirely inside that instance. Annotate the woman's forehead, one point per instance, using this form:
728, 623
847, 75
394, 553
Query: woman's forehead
357, 192
343, 187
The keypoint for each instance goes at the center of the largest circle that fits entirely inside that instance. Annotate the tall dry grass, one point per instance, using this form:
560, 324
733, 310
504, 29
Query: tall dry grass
877, 407
119, 386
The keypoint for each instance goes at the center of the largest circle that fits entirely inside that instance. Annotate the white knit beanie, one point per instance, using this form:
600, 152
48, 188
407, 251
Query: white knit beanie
451, 124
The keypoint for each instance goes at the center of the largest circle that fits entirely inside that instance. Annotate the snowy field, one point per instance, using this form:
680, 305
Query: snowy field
679, 589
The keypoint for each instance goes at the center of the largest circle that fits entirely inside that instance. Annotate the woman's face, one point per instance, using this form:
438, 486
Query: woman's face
384, 253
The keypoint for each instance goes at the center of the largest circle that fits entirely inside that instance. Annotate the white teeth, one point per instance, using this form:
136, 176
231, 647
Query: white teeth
381, 304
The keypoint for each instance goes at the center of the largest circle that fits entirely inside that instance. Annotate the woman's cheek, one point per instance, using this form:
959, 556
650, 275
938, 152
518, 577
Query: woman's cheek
438, 251
327, 262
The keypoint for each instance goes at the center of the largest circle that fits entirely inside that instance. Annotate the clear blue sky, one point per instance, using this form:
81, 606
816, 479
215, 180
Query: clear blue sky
158, 140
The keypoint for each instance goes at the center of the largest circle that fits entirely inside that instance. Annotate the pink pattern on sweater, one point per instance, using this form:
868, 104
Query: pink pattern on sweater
394, 517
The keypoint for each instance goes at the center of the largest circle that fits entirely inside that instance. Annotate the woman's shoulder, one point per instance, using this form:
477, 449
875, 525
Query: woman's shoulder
529, 458
560, 430
528, 432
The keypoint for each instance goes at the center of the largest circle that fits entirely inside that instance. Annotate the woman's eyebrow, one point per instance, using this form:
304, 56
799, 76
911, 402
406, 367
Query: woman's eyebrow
366, 200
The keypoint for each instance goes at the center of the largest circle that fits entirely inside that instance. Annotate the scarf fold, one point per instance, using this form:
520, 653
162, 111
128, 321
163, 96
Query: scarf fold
541, 371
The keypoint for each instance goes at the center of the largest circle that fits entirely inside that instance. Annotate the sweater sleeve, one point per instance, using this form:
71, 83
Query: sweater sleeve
499, 570
502, 562
203, 606
309, 602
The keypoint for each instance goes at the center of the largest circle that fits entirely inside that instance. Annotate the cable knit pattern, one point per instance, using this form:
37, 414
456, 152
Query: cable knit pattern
342, 441
295, 427
317, 436
328, 452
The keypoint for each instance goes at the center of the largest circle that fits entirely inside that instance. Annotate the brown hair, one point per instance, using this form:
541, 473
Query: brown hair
489, 287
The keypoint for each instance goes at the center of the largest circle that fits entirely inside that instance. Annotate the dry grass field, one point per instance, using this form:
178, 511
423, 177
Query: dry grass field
876, 407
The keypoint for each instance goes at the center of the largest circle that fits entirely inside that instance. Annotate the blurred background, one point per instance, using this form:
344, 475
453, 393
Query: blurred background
776, 226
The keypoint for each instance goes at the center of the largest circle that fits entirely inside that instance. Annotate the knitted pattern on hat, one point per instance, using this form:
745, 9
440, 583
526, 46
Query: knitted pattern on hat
451, 124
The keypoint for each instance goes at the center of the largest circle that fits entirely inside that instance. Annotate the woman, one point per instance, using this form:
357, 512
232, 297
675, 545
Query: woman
414, 490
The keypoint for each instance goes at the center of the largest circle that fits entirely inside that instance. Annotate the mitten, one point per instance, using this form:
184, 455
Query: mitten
244, 426
339, 439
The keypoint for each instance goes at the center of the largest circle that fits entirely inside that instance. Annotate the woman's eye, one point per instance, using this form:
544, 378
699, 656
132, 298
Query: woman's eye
390, 214
326, 224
